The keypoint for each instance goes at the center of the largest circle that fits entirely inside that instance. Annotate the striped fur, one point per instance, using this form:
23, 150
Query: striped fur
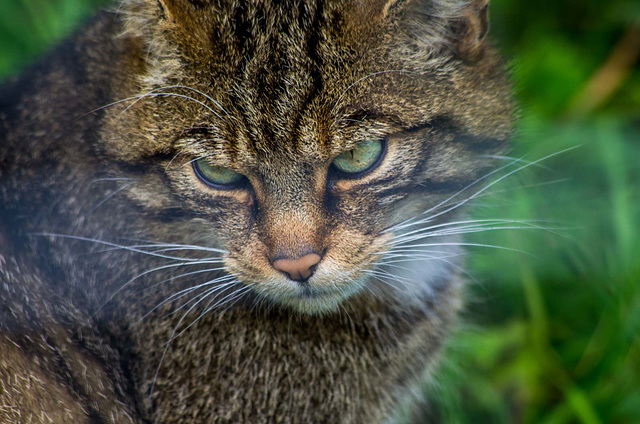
118, 260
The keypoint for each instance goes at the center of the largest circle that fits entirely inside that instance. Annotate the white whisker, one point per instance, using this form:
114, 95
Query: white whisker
478, 222
180, 294
173, 335
154, 92
207, 293
411, 222
182, 96
464, 244
103, 201
129, 248
174, 265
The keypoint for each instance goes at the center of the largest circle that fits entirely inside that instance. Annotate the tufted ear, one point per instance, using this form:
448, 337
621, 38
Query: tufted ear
186, 20
471, 29
456, 26
180, 10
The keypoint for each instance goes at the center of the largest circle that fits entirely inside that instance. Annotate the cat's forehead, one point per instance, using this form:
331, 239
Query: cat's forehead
267, 16
268, 37
273, 145
299, 79
280, 70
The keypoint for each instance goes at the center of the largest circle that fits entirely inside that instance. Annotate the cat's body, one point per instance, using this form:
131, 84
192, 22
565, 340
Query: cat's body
103, 218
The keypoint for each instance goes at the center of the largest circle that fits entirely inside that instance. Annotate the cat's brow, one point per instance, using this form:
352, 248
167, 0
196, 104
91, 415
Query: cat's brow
360, 80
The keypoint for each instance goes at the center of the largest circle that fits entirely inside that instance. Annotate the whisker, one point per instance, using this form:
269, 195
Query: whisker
385, 279
524, 186
453, 265
383, 272
472, 221
177, 247
207, 293
171, 338
225, 300
515, 160
110, 179
102, 202
153, 93
180, 294
469, 230
204, 95
135, 249
409, 222
465, 244
182, 96
501, 178
399, 258
174, 265
173, 335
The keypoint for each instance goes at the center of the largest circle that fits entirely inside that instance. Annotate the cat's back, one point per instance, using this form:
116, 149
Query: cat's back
46, 129
52, 104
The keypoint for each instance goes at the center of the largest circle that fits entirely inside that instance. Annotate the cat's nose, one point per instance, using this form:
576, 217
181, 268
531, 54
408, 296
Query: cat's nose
300, 269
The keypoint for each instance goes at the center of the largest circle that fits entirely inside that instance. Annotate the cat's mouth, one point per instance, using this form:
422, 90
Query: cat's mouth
312, 283
323, 293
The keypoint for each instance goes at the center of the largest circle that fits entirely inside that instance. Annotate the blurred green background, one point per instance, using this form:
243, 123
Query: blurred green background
552, 335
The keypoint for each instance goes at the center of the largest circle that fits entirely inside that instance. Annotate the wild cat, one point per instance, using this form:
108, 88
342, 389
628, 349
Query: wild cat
241, 211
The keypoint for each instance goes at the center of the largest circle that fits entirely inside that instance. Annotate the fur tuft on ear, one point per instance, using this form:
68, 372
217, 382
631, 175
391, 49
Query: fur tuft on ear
163, 31
472, 28
439, 28
181, 10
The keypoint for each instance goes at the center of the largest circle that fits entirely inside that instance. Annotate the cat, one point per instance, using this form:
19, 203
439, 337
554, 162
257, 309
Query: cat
241, 211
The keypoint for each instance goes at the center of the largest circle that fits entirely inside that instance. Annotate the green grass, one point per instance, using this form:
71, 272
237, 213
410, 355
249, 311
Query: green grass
551, 336
29, 27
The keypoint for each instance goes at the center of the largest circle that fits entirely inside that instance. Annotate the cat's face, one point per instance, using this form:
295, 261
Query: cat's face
295, 135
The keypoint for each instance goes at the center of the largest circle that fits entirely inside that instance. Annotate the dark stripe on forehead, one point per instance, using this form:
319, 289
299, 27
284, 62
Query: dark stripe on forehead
269, 39
242, 32
313, 39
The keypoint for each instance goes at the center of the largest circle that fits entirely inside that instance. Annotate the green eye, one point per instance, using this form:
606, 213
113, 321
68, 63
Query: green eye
216, 176
364, 157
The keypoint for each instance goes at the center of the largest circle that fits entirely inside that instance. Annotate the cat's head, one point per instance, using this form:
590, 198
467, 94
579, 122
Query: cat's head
298, 135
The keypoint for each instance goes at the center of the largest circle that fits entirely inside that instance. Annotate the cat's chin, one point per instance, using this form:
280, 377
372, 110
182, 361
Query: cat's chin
316, 301
320, 305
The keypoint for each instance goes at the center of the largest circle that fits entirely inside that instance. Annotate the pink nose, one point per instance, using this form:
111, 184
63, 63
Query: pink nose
300, 269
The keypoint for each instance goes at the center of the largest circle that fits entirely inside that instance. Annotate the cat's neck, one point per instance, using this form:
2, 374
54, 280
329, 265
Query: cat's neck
255, 360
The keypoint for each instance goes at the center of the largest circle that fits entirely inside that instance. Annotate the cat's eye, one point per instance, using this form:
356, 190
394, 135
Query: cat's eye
216, 176
361, 159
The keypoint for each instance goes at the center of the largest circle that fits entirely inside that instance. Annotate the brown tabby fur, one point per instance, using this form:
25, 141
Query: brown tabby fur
282, 89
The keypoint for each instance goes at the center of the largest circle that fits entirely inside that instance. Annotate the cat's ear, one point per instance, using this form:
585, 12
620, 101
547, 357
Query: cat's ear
185, 18
180, 10
471, 29
460, 26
